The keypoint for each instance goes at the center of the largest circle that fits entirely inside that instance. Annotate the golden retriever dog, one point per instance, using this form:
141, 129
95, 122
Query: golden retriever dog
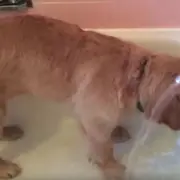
102, 77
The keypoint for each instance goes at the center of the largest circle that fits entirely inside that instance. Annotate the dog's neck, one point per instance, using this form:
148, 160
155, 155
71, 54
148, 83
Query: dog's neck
142, 69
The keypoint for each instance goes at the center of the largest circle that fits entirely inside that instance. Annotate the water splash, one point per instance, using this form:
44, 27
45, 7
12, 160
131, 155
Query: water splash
147, 127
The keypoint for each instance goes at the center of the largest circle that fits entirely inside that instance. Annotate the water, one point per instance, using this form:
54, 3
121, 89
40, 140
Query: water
156, 151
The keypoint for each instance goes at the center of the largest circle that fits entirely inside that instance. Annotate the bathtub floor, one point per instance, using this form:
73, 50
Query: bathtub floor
53, 147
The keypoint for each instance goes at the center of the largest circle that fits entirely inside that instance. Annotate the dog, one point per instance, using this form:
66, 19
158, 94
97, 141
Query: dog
102, 77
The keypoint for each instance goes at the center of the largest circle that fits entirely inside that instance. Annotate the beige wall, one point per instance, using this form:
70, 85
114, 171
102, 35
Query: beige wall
113, 13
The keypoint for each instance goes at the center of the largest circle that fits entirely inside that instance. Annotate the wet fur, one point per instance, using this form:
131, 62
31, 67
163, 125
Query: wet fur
101, 76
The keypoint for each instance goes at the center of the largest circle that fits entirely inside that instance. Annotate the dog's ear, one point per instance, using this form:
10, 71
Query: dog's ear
136, 75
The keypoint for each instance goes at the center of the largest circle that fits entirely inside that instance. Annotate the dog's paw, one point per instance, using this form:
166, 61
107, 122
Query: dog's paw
111, 171
12, 133
92, 159
120, 135
8, 170
115, 172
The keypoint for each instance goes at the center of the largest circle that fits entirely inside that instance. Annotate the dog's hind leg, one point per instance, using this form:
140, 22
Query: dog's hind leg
11, 132
8, 170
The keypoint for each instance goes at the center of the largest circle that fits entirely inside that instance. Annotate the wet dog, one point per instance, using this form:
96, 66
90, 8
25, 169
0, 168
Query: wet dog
103, 77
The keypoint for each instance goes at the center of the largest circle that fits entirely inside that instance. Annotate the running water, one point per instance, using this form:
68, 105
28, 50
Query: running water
148, 127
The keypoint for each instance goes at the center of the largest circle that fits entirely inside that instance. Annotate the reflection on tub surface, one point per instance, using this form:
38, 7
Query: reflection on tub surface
53, 147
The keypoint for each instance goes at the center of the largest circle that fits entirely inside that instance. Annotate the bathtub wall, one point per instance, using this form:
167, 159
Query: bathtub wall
113, 13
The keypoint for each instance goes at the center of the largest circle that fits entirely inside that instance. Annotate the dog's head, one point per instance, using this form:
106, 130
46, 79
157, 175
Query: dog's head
171, 114
160, 77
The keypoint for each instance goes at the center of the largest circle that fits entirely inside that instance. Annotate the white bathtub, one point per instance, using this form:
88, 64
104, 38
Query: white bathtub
54, 149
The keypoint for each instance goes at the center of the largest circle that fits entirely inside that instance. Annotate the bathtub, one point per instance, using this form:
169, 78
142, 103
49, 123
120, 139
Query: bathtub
54, 149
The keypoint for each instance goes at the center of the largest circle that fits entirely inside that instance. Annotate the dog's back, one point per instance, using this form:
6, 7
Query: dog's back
32, 50
50, 58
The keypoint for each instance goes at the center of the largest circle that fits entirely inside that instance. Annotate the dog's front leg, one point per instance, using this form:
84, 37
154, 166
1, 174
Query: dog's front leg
11, 132
101, 150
